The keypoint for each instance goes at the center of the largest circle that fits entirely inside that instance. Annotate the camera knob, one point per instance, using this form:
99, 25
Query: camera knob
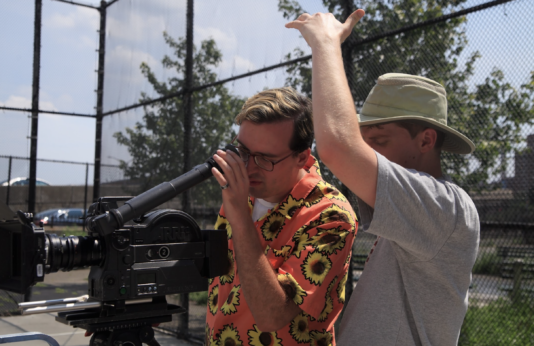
164, 252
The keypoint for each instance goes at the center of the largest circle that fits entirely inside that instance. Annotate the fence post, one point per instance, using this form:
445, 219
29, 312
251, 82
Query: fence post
183, 318
346, 51
8, 179
85, 194
518, 273
35, 103
99, 99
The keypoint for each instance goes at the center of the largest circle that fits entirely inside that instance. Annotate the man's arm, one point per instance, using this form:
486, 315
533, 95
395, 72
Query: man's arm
337, 132
264, 295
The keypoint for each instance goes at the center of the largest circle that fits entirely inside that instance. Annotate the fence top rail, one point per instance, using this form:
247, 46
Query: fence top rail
57, 161
507, 225
369, 39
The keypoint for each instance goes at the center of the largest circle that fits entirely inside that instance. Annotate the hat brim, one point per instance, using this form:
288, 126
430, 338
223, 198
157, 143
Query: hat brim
454, 141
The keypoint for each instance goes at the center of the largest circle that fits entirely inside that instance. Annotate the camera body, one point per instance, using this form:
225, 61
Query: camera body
159, 253
162, 252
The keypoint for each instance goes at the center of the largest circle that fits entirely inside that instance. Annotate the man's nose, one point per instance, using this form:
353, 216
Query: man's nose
251, 165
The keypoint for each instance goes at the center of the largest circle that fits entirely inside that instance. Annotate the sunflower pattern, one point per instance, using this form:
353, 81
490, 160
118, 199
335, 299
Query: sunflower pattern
230, 336
306, 228
221, 224
323, 338
230, 305
290, 207
208, 338
307, 239
316, 267
299, 328
213, 300
300, 245
258, 338
284, 252
336, 213
329, 241
272, 226
341, 288
292, 288
317, 167
313, 197
229, 277
331, 192
329, 304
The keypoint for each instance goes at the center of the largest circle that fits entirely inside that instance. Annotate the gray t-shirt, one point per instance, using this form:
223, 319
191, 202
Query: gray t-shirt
414, 288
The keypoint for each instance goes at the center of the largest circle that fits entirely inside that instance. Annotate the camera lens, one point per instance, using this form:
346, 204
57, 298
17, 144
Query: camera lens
67, 253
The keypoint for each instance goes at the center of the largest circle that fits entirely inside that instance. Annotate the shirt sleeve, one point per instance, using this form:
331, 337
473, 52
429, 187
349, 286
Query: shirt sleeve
412, 209
314, 273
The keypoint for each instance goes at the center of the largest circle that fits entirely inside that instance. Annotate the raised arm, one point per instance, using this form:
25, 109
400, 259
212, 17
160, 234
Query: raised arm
337, 132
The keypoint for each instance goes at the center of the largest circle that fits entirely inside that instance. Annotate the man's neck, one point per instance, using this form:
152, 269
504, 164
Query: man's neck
279, 198
431, 165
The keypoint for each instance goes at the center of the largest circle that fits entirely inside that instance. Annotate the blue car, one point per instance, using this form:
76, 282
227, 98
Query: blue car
60, 217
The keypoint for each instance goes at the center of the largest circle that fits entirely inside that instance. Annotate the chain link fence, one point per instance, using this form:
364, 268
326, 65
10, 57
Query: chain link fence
150, 107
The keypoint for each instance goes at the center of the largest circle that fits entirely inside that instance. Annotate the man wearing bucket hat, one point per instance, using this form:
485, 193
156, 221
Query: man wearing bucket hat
414, 288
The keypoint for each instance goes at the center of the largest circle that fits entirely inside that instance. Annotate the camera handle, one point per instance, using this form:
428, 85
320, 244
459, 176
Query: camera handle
116, 218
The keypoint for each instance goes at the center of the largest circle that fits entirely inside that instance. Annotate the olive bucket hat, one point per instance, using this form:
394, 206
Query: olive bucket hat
415, 99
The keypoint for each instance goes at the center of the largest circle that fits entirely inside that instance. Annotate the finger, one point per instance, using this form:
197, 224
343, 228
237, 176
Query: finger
354, 18
234, 162
240, 166
218, 176
297, 23
229, 175
294, 25
304, 16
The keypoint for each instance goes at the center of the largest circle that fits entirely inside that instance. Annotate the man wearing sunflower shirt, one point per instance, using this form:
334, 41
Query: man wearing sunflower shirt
290, 233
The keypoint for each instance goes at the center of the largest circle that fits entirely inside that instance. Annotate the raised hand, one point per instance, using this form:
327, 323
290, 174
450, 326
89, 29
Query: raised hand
322, 27
235, 185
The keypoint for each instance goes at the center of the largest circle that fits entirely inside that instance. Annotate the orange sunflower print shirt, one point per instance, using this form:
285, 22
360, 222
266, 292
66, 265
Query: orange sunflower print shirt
308, 239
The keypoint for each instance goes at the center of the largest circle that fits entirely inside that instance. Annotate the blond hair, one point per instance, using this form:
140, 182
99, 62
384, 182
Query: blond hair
282, 104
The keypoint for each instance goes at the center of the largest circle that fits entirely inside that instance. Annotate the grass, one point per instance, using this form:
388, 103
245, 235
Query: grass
67, 230
201, 298
499, 323
487, 263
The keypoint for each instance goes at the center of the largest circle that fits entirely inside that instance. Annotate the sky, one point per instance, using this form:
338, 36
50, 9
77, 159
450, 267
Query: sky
251, 35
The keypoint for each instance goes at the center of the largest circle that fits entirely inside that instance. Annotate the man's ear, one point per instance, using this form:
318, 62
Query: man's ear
303, 157
428, 139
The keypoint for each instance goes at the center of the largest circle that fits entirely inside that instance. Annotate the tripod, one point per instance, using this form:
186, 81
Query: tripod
117, 323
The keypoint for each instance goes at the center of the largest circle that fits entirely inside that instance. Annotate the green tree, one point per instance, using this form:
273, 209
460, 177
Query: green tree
156, 143
491, 114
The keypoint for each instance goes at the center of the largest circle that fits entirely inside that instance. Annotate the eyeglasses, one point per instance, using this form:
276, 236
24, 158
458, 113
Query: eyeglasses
260, 160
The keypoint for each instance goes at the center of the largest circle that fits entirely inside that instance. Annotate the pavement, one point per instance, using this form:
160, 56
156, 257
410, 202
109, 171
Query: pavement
56, 286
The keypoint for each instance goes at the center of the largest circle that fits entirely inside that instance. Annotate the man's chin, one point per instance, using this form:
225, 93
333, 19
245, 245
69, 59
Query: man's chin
256, 192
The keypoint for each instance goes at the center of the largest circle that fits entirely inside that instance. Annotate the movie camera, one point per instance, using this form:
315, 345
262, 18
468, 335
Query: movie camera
137, 255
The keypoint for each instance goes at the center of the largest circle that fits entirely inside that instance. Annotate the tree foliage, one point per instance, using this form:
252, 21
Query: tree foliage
156, 143
492, 114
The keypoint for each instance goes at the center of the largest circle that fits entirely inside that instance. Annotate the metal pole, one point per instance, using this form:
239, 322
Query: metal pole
99, 100
183, 319
8, 179
35, 103
187, 100
347, 54
85, 194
